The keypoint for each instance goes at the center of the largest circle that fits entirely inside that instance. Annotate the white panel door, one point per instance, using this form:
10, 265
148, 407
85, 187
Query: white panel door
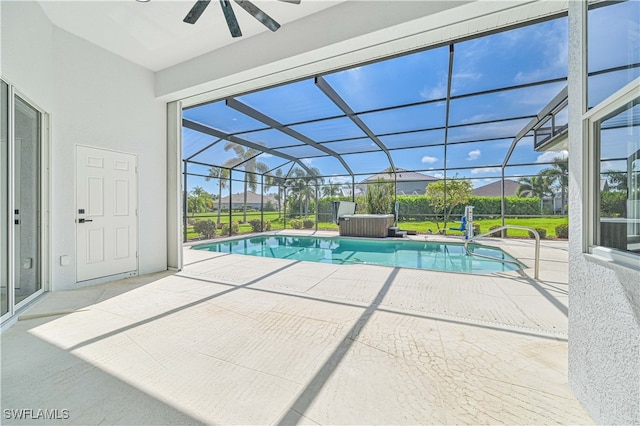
106, 215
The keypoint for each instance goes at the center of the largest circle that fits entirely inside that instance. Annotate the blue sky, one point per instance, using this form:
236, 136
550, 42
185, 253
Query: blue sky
520, 56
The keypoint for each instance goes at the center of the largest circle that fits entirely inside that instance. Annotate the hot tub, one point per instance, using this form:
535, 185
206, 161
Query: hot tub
365, 225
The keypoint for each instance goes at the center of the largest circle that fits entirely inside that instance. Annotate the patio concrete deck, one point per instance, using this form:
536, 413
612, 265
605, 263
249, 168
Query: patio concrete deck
244, 340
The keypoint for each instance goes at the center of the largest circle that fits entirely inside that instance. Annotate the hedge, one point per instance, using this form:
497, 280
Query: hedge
417, 207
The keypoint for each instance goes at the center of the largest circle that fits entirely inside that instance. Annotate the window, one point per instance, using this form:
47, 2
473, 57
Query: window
615, 137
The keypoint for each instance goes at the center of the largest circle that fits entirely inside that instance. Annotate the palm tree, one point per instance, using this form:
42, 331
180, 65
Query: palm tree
535, 186
559, 175
199, 200
222, 175
303, 187
246, 159
278, 181
331, 190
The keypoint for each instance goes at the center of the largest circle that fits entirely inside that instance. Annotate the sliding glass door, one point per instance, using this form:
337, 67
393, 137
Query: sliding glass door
26, 196
21, 200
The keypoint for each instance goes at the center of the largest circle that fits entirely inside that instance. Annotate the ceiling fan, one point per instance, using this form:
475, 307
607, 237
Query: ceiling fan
197, 9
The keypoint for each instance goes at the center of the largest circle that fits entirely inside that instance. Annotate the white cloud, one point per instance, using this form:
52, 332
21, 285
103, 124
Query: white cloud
428, 159
438, 175
354, 73
473, 76
479, 170
437, 92
307, 161
339, 179
473, 155
549, 156
553, 61
266, 155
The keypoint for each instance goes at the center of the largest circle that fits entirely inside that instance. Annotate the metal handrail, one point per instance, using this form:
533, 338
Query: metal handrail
536, 272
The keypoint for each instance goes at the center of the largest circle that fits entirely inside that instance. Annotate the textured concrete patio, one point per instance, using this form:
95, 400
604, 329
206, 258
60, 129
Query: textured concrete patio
243, 340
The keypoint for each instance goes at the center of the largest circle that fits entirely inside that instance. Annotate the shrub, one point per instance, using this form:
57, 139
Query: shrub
541, 231
256, 225
296, 223
476, 229
308, 223
269, 206
206, 228
562, 231
235, 228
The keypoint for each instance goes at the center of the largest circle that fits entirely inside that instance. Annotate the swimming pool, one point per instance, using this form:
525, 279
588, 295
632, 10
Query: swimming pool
437, 256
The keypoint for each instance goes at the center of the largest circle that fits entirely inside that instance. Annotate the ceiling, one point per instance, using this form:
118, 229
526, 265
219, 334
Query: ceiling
153, 35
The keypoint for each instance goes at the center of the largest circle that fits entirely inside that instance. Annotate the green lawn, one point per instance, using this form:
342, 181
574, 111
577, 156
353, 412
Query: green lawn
547, 223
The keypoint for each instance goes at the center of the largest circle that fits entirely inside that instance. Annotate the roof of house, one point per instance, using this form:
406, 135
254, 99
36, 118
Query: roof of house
401, 175
494, 189
252, 198
346, 192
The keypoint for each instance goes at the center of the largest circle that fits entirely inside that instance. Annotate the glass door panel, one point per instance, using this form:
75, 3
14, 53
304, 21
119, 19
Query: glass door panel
4, 197
26, 212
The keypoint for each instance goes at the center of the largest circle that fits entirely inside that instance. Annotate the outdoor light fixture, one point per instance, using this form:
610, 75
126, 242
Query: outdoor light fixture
197, 9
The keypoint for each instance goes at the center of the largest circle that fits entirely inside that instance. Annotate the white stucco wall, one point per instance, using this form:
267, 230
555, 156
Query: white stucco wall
604, 301
94, 98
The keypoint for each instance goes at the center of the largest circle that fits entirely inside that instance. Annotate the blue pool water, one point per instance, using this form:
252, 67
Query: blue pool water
435, 256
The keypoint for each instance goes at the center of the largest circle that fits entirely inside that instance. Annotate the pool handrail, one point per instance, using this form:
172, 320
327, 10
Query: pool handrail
536, 271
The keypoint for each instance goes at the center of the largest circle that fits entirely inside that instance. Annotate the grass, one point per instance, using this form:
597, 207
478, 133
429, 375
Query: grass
547, 223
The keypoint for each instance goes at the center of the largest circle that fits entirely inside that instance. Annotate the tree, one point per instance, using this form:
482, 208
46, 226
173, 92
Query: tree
379, 197
199, 200
331, 190
559, 177
279, 181
535, 186
246, 159
303, 188
447, 195
222, 175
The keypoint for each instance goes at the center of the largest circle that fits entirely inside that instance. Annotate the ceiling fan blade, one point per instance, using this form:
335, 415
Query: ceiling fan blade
257, 13
232, 22
196, 11
291, 1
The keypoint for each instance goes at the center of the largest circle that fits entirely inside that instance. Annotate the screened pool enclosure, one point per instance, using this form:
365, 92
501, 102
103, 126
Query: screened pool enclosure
486, 116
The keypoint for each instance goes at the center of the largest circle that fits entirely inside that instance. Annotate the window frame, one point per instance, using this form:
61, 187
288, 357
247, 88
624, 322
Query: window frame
592, 120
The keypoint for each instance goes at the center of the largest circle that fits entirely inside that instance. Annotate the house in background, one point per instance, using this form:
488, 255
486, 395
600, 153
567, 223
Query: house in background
345, 191
253, 201
494, 189
407, 183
